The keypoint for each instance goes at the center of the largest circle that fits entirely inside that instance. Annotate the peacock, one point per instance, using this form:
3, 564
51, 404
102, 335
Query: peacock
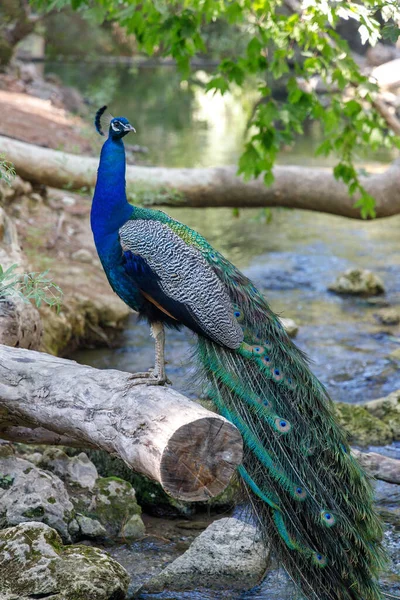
309, 496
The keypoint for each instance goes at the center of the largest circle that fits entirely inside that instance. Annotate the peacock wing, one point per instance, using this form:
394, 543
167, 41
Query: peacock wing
177, 278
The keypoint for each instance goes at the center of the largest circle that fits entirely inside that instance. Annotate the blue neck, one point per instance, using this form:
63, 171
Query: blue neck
110, 208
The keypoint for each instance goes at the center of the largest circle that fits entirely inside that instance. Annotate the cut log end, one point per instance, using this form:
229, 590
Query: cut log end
200, 459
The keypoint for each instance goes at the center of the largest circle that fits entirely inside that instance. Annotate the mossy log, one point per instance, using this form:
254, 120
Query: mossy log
191, 451
294, 186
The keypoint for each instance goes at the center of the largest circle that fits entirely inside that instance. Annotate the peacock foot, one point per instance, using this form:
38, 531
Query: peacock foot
149, 377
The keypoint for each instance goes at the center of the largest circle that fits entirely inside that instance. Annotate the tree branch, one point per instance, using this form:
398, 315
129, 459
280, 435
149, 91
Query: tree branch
294, 187
390, 117
191, 451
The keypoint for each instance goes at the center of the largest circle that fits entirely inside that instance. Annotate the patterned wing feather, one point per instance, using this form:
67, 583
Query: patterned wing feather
178, 273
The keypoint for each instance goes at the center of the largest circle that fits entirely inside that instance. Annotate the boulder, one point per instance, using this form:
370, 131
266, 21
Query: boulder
74, 470
114, 504
359, 282
290, 326
387, 409
379, 466
133, 529
35, 564
28, 493
90, 528
388, 316
228, 554
363, 428
387, 498
82, 255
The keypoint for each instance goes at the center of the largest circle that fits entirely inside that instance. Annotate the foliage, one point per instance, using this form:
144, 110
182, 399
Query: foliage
7, 171
29, 286
289, 41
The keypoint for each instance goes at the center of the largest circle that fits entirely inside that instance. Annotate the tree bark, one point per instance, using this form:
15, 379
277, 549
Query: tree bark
191, 451
294, 187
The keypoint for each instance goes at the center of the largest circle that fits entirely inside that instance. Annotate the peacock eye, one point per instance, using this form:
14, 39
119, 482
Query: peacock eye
116, 125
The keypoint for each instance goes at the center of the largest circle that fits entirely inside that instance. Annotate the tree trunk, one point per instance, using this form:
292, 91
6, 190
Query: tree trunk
294, 187
20, 323
191, 451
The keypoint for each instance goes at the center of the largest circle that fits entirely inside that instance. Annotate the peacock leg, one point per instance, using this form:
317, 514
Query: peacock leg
156, 376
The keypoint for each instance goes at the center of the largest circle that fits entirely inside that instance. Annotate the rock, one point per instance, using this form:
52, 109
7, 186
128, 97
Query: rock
388, 316
390, 515
82, 255
387, 499
114, 503
387, 409
28, 72
387, 494
37, 198
35, 564
31, 494
20, 324
394, 356
388, 74
379, 466
150, 495
228, 554
90, 528
68, 201
290, 326
377, 302
75, 470
358, 282
133, 529
6, 449
363, 428
380, 54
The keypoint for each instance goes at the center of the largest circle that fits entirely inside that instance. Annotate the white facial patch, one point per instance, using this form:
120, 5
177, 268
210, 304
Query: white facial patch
114, 126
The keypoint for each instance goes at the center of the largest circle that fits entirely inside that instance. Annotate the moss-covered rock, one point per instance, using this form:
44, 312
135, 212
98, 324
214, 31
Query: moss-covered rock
75, 470
34, 563
363, 428
387, 409
133, 529
150, 495
359, 282
114, 503
31, 494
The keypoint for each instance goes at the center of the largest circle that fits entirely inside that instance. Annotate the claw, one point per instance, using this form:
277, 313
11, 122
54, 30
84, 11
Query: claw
147, 379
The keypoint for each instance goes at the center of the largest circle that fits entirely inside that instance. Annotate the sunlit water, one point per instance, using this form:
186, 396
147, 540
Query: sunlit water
293, 259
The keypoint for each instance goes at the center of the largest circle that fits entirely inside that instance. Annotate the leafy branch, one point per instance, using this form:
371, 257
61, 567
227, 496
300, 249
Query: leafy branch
292, 42
37, 287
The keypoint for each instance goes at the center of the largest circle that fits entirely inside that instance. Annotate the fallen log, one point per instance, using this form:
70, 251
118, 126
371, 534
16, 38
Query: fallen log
294, 187
191, 451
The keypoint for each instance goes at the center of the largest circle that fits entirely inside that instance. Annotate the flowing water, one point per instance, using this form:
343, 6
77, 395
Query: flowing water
293, 259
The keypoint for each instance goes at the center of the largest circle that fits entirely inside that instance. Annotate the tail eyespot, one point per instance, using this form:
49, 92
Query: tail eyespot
282, 425
300, 492
277, 375
319, 559
328, 518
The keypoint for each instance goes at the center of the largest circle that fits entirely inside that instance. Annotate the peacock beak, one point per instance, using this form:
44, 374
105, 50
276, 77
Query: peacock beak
129, 127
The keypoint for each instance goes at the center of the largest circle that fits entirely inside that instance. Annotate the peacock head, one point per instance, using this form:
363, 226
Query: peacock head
119, 126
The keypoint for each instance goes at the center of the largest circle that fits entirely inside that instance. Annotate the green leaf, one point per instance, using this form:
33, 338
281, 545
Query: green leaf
391, 32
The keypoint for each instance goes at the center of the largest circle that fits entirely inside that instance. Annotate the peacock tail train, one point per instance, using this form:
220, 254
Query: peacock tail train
309, 496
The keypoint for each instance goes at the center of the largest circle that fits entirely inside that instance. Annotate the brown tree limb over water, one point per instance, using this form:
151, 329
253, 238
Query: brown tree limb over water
155, 430
309, 188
